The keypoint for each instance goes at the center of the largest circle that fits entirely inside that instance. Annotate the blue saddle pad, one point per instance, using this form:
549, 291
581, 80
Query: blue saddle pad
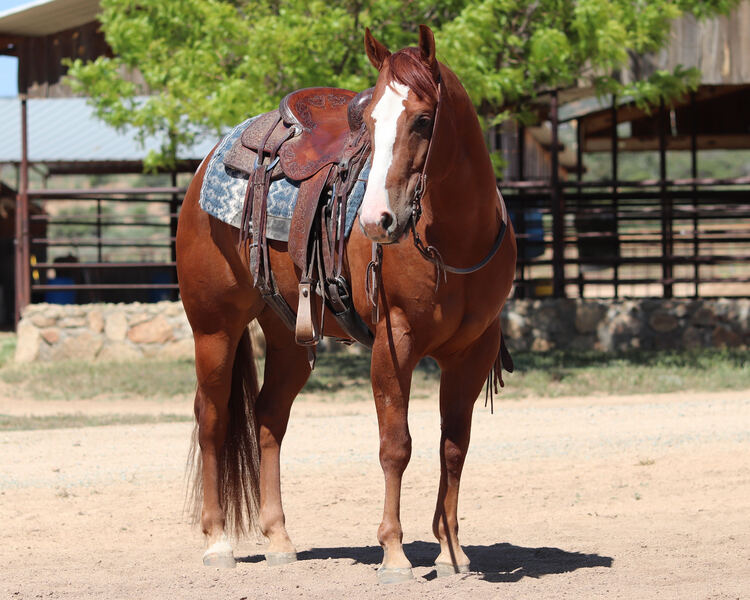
223, 192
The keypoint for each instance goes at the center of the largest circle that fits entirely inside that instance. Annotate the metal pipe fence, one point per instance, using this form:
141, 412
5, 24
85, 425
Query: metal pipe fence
596, 239
100, 245
619, 240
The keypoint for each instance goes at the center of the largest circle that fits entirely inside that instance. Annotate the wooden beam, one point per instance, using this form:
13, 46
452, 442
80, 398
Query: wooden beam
601, 120
740, 141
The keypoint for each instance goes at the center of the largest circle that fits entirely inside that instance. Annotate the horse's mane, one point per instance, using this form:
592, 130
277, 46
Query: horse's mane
407, 68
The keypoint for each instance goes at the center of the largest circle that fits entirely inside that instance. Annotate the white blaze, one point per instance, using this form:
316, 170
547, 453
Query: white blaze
385, 116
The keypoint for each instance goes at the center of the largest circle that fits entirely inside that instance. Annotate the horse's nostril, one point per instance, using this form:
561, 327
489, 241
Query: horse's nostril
386, 219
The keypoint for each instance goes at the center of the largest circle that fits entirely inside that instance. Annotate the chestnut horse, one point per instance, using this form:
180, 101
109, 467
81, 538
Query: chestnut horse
427, 145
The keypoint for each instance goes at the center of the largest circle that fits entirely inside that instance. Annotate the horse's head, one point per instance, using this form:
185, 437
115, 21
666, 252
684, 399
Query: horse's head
400, 121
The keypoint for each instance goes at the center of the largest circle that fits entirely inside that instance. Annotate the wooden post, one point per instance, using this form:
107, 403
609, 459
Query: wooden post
694, 175
558, 209
23, 254
666, 205
523, 289
615, 200
579, 190
174, 205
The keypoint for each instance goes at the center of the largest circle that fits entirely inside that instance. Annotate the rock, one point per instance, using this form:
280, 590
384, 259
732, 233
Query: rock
84, 346
518, 306
588, 315
662, 321
69, 322
180, 349
622, 324
28, 340
96, 321
692, 338
42, 320
541, 344
74, 310
172, 309
703, 317
135, 318
155, 331
116, 326
119, 352
545, 316
723, 337
181, 326
51, 335
582, 342
681, 310
514, 325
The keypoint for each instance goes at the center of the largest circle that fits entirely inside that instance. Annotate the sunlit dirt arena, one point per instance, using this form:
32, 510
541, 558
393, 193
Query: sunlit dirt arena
616, 497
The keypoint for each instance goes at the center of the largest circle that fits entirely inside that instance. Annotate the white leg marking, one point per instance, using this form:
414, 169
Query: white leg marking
220, 554
385, 115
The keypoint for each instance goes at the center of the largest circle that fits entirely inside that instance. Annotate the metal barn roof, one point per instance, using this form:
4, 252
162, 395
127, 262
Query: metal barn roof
45, 17
65, 130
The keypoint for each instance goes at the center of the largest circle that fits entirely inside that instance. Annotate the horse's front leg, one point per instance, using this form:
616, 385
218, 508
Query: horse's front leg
463, 376
393, 361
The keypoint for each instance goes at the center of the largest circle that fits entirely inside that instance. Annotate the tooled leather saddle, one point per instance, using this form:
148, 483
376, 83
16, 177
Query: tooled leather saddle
317, 139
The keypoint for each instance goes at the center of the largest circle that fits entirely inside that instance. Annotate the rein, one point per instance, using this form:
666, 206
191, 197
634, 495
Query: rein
429, 253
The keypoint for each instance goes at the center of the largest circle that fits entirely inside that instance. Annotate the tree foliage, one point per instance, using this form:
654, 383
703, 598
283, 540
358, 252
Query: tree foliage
203, 65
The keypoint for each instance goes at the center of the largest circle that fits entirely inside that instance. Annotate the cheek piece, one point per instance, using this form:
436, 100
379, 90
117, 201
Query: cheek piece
428, 252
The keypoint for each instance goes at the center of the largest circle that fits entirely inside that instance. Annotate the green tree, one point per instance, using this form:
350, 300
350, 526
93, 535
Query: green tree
181, 68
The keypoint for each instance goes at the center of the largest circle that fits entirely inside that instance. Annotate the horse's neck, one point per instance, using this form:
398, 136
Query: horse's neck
465, 199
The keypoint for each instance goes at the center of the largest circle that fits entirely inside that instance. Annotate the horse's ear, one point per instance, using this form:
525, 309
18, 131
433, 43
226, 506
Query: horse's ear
376, 52
427, 49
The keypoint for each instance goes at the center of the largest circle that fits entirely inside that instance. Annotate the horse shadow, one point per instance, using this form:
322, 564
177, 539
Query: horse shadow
498, 563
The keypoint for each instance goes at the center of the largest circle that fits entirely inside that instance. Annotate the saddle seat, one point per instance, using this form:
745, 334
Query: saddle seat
324, 121
317, 138
320, 117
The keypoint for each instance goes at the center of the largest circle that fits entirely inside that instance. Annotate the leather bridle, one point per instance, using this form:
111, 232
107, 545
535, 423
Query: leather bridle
428, 252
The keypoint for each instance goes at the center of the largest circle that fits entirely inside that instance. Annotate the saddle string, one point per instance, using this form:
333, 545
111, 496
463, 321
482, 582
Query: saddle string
372, 280
249, 193
261, 180
495, 378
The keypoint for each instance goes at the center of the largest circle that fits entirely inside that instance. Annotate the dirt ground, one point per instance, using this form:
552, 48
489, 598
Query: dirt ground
609, 497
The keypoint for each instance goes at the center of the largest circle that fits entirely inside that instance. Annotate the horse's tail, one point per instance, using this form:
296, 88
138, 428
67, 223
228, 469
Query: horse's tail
239, 460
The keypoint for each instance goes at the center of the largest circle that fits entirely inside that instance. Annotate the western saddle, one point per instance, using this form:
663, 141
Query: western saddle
316, 138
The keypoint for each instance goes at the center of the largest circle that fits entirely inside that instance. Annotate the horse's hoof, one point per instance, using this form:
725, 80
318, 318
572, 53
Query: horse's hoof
447, 569
394, 575
220, 555
274, 559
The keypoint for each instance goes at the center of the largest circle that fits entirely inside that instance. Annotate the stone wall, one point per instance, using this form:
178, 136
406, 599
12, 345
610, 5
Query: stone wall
617, 325
50, 332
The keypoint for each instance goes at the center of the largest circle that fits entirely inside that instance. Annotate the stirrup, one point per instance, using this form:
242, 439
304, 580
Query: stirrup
307, 330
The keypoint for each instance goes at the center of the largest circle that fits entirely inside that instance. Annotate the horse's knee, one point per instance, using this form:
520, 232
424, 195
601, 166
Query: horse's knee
395, 450
454, 456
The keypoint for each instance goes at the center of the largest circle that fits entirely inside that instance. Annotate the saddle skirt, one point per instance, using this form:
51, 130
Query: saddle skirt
223, 191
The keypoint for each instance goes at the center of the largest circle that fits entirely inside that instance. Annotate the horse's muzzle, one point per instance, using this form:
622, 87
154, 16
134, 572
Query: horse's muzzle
384, 231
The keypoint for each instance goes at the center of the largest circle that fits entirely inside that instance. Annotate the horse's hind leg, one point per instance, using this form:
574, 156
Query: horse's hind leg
462, 379
226, 378
286, 371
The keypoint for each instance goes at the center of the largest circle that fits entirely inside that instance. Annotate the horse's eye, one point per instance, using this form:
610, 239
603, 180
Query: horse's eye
422, 124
